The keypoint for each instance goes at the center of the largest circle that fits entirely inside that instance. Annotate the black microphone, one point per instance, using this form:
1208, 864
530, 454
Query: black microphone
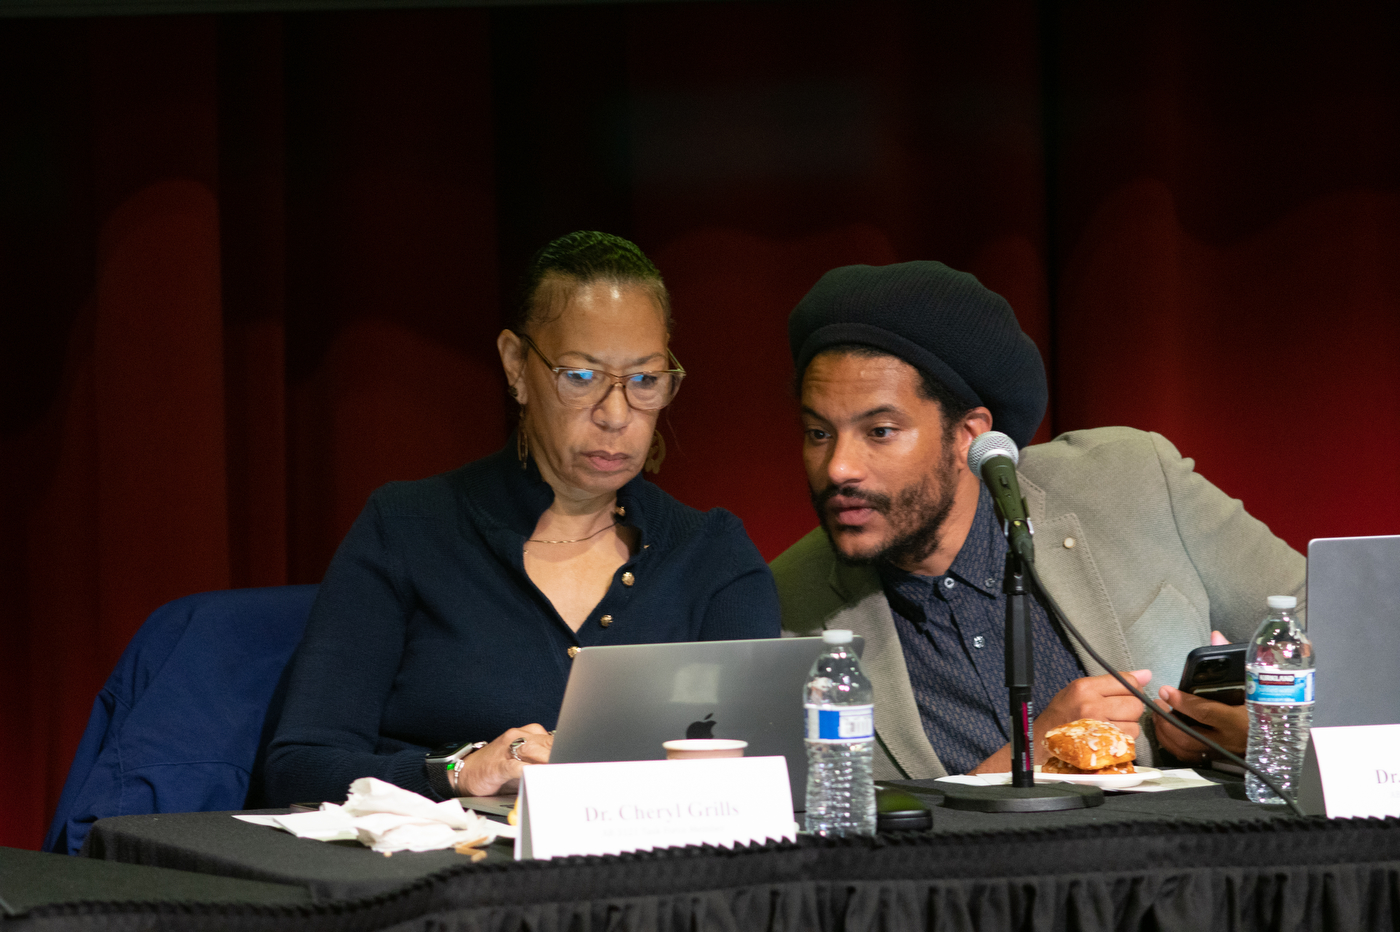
994, 456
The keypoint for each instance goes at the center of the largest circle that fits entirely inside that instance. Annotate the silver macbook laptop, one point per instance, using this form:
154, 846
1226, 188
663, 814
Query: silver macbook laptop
1353, 616
622, 702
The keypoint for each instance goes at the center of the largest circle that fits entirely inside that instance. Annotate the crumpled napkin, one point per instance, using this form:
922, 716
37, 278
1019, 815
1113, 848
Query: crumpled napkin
388, 818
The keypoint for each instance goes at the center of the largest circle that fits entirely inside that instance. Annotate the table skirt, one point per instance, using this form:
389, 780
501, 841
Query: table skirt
1281, 874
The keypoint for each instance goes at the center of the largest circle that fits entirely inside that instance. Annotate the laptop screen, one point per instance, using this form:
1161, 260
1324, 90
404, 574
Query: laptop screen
623, 701
1353, 616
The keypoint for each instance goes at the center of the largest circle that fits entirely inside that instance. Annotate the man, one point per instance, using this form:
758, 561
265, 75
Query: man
899, 368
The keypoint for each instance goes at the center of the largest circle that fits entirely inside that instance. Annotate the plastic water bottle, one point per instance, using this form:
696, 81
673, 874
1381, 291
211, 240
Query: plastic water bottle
1278, 690
840, 742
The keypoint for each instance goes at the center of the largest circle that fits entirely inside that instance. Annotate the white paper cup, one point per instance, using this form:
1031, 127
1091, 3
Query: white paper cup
695, 748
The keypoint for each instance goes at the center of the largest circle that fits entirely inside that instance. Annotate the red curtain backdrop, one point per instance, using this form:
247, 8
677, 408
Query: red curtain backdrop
252, 266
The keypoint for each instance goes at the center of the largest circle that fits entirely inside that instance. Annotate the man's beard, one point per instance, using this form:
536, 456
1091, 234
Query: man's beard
915, 515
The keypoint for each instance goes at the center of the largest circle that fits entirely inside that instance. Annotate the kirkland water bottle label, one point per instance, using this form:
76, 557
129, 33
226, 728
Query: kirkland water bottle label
840, 724
1275, 687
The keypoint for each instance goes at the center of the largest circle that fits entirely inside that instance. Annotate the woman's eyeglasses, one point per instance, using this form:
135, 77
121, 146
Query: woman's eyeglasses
584, 388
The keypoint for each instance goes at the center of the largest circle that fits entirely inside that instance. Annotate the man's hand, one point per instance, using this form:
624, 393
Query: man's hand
1097, 697
1226, 725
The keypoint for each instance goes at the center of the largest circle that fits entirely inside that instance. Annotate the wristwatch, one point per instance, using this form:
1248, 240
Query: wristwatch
445, 758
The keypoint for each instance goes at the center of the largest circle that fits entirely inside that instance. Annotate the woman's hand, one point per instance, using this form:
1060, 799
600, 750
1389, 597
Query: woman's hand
494, 770
1226, 725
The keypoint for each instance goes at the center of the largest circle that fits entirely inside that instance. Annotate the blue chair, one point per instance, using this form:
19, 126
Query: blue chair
183, 722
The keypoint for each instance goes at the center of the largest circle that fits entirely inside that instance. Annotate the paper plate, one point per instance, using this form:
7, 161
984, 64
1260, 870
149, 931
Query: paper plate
1104, 781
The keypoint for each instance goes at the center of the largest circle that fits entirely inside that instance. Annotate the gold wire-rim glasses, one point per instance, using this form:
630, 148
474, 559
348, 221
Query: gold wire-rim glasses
575, 395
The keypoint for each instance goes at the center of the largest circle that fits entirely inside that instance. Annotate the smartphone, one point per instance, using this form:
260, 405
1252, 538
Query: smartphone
1216, 672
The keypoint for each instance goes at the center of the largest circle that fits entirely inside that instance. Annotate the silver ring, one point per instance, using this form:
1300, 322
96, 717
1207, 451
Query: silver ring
515, 747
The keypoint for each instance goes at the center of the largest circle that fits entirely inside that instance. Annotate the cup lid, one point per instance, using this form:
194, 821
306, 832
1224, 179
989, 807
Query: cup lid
704, 744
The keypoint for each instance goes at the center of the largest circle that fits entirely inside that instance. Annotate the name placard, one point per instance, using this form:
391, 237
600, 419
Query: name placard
568, 809
1352, 771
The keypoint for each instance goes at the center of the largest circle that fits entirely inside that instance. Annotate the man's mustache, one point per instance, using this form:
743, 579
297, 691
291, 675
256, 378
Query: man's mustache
876, 500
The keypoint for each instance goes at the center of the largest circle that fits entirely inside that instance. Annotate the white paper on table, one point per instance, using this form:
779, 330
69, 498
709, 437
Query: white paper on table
320, 825
972, 779
1183, 779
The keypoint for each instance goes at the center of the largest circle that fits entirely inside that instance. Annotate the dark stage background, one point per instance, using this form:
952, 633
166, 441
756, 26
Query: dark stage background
252, 266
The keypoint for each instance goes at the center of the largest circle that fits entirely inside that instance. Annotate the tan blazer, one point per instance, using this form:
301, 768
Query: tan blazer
1144, 556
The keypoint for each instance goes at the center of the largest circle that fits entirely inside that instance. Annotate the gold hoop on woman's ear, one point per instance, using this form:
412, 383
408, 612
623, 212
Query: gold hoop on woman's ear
656, 453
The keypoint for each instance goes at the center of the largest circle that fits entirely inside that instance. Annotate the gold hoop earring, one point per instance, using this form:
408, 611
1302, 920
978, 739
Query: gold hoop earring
656, 453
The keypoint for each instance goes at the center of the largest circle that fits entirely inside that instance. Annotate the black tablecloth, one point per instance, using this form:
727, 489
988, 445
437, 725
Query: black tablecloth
29, 879
215, 843
1189, 860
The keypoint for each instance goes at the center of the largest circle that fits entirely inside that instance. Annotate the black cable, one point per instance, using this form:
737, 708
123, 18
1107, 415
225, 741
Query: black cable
1049, 602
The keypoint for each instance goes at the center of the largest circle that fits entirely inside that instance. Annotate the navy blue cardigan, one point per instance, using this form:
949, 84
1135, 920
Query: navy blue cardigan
428, 630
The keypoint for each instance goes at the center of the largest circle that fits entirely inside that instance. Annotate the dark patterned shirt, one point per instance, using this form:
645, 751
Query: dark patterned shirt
953, 631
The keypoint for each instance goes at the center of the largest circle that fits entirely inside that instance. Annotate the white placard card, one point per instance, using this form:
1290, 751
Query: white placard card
568, 809
1352, 771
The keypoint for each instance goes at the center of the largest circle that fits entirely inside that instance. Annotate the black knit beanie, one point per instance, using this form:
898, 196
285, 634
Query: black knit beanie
938, 320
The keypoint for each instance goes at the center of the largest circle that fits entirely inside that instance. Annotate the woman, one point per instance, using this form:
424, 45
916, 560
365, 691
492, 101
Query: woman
454, 606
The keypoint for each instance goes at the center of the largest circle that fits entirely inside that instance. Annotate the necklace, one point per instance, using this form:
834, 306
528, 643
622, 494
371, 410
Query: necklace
576, 540
618, 512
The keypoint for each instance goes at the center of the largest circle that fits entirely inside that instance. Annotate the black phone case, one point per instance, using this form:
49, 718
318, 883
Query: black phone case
1216, 672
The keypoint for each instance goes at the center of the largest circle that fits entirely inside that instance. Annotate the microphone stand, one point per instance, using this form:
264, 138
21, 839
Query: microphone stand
1020, 672
1024, 794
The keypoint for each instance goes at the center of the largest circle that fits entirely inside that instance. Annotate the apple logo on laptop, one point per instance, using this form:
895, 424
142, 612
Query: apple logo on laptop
705, 728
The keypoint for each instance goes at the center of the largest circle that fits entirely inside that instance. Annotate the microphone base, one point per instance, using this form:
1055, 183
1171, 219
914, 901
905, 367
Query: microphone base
1043, 797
